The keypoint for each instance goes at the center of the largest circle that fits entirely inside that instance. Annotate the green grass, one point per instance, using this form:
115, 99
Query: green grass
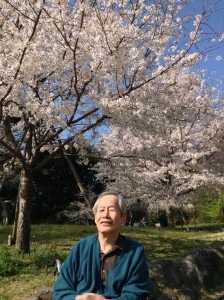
21, 275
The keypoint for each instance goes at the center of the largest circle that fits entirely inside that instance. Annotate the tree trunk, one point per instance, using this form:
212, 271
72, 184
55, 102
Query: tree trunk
78, 180
2, 179
170, 217
14, 231
24, 205
183, 221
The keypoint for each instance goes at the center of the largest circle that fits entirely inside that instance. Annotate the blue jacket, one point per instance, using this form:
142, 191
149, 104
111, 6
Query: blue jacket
128, 278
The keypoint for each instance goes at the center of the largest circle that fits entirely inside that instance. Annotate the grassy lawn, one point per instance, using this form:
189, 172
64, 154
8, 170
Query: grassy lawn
21, 274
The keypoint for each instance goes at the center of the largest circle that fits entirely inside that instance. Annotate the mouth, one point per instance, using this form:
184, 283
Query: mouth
105, 223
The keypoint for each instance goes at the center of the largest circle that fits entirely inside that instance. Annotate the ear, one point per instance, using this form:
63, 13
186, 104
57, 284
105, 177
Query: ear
123, 219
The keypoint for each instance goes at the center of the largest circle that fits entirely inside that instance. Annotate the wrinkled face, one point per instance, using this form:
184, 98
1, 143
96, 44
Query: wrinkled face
108, 217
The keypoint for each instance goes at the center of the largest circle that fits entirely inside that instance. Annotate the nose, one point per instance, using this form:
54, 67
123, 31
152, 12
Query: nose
106, 213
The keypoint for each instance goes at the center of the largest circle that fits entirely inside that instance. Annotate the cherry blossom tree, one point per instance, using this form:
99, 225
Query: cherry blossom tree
165, 145
64, 65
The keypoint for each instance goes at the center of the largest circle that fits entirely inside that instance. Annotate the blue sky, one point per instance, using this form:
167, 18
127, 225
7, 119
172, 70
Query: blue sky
214, 24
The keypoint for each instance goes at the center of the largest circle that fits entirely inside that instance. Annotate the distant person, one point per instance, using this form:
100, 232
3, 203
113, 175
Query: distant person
106, 265
6, 212
143, 222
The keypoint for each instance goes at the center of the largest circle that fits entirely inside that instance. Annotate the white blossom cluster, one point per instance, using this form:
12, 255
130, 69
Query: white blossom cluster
166, 141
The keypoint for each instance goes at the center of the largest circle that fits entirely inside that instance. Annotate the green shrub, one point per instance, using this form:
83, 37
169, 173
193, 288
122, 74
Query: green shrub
46, 259
210, 207
8, 265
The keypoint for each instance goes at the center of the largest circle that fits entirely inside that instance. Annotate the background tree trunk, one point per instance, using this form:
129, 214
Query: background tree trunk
170, 219
78, 180
24, 205
14, 231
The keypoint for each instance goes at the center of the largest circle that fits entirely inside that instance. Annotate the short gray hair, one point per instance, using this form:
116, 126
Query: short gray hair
121, 203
